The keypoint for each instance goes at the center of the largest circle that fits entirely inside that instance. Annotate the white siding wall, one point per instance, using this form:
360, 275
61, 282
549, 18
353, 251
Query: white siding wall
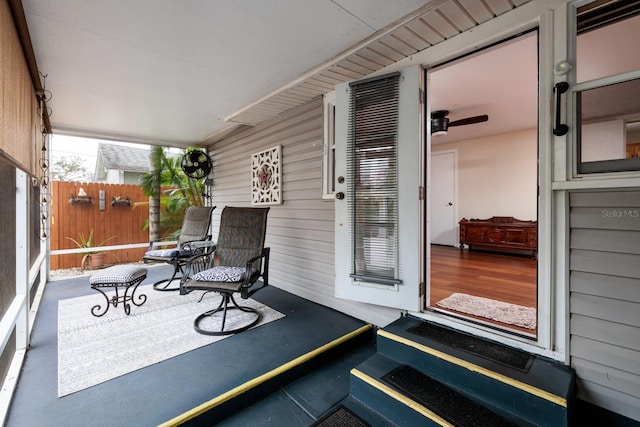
300, 232
605, 298
113, 176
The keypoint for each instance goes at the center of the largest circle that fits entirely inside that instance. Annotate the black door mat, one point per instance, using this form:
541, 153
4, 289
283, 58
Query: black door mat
499, 353
340, 416
443, 400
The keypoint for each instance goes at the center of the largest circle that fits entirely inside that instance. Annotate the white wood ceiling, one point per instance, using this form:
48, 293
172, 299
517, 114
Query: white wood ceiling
178, 73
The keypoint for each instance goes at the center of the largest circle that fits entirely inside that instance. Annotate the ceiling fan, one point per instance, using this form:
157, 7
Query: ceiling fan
440, 123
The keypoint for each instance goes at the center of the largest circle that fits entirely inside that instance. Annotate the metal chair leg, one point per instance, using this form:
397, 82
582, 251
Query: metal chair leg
224, 307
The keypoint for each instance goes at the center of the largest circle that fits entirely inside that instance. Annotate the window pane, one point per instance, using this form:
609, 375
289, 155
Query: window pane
373, 187
607, 42
329, 151
609, 127
375, 233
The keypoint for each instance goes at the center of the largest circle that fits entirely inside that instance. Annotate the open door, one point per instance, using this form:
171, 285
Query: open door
377, 211
487, 114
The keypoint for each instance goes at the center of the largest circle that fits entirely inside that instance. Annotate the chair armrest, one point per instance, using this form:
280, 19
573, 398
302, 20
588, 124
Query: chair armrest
263, 272
254, 259
200, 242
207, 243
198, 247
159, 242
196, 264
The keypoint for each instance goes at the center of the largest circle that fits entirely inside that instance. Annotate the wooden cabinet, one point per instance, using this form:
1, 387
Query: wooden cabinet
500, 233
633, 150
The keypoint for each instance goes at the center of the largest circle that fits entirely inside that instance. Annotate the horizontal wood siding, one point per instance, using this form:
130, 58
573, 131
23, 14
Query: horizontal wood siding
300, 231
605, 298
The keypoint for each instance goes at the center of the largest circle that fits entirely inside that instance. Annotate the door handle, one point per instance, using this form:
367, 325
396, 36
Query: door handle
560, 128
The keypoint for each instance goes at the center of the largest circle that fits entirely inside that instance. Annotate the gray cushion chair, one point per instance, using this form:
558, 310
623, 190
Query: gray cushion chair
234, 267
193, 235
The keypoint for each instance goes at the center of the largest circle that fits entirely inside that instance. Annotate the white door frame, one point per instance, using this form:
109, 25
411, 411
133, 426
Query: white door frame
551, 335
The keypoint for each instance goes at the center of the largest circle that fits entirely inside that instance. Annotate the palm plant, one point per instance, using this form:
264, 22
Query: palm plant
180, 192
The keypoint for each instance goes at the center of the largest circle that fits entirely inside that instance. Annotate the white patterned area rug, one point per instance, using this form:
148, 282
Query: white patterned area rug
92, 350
503, 312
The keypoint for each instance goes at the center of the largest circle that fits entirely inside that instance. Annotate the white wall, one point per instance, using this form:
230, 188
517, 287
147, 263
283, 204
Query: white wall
497, 175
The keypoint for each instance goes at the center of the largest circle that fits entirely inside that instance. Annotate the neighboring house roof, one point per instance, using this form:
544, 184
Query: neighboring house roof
122, 158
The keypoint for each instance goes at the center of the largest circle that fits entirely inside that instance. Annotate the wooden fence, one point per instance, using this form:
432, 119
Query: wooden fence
111, 216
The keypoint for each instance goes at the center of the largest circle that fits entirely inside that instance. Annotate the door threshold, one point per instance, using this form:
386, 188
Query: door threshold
488, 323
480, 328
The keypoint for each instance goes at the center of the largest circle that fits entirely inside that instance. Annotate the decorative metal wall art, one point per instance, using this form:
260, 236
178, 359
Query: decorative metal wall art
266, 177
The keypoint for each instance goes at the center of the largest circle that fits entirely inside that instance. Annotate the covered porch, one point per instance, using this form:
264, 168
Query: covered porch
303, 359
159, 81
294, 371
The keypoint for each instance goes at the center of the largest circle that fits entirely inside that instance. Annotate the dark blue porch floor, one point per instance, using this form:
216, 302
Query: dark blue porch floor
161, 392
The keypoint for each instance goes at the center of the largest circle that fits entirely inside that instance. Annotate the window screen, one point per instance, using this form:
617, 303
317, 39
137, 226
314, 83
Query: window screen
372, 159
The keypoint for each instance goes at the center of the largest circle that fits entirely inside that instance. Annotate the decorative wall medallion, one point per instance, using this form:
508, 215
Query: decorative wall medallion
266, 185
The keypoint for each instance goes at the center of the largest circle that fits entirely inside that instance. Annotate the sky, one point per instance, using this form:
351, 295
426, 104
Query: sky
85, 148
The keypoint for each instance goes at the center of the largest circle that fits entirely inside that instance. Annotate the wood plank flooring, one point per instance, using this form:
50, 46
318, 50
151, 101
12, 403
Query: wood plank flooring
507, 278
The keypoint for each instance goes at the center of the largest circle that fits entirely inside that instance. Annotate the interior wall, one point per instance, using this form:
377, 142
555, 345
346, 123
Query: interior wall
603, 141
497, 175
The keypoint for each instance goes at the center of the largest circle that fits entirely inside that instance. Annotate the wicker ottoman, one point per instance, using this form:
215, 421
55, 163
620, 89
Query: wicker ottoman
119, 276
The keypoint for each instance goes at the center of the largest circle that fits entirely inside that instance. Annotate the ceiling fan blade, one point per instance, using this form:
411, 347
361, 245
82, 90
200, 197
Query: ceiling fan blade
469, 120
205, 167
439, 114
189, 169
196, 156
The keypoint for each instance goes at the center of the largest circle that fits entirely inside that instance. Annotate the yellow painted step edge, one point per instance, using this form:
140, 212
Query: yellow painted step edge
242, 388
422, 410
558, 400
